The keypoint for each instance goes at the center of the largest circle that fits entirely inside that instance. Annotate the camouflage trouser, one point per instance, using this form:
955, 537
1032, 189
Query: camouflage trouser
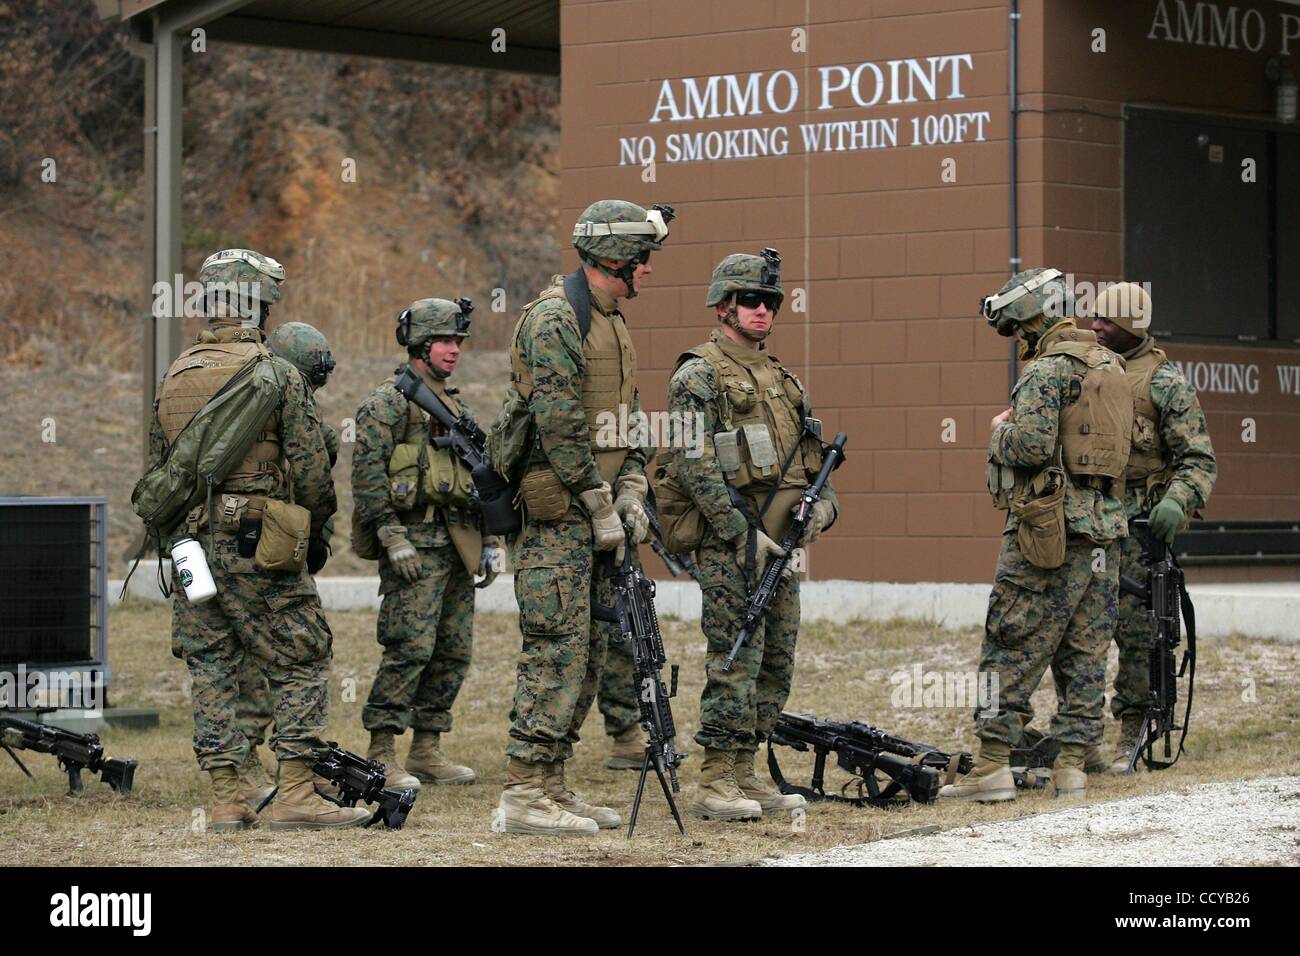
739, 709
1135, 633
253, 711
427, 632
617, 696
274, 618
1062, 618
563, 648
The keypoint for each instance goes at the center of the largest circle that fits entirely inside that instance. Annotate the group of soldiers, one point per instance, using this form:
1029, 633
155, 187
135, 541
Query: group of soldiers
259, 652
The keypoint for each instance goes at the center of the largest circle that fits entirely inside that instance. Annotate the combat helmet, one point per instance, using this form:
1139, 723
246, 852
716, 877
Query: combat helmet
305, 348
741, 272
1026, 296
617, 229
254, 278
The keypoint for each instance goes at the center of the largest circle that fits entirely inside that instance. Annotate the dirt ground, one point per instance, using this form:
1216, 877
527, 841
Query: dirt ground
1247, 709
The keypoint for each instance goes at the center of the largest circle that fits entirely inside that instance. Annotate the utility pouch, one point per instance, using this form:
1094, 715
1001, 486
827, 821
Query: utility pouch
680, 520
229, 513
447, 482
762, 451
727, 446
282, 545
740, 396
1041, 533
404, 476
544, 495
250, 530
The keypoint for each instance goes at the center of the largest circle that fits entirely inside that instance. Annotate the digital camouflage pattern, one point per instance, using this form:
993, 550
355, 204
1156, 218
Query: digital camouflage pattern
1188, 451
614, 247
737, 709
235, 266
1028, 441
1063, 618
433, 317
425, 627
616, 697
740, 272
272, 616
305, 348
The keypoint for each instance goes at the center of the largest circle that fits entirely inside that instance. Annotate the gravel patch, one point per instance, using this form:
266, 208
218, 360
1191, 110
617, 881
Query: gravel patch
1215, 824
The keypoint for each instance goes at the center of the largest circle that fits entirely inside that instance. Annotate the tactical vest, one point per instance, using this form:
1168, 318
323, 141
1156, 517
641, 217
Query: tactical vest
1147, 459
608, 381
196, 375
421, 428
1095, 429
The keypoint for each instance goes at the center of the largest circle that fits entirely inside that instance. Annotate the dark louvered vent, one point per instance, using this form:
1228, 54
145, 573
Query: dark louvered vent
48, 582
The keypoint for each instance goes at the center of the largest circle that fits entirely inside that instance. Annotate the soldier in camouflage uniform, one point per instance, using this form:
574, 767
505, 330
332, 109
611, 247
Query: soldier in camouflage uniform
573, 363
1055, 595
616, 700
754, 410
307, 350
1170, 473
274, 616
414, 498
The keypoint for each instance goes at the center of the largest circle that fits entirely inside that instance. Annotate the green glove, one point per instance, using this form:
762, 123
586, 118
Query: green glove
1167, 519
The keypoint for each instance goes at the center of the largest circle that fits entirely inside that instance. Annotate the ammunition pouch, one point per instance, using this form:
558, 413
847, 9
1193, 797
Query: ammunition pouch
420, 475
282, 545
1041, 532
544, 496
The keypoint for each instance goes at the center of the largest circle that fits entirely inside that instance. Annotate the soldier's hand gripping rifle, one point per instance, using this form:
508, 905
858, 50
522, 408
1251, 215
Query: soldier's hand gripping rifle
75, 753
494, 493
676, 563
1165, 596
634, 612
359, 779
862, 750
771, 579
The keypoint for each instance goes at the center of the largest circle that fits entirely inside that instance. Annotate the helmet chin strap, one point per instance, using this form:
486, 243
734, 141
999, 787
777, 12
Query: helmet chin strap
623, 272
434, 370
733, 320
1030, 333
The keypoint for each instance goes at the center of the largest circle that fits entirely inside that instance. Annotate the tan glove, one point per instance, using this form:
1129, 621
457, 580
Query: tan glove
492, 560
606, 529
630, 506
401, 553
766, 550
823, 513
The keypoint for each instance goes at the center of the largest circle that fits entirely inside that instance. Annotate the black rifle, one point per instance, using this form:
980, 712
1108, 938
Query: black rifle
634, 612
863, 750
771, 580
75, 752
1165, 595
495, 495
676, 563
359, 779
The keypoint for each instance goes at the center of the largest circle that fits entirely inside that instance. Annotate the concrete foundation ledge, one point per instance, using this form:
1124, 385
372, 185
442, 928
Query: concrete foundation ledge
1268, 609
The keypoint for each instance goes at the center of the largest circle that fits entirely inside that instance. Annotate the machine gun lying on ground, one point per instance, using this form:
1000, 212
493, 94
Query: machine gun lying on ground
75, 753
912, 771
1165, 595
634, 612
359, 779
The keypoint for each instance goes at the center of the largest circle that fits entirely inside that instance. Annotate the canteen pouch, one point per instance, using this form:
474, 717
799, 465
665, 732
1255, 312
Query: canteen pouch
1041, 532
680, 519
544, 495
283, 543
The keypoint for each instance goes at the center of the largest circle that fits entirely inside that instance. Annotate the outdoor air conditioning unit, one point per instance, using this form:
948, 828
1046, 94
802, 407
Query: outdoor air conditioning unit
53, 603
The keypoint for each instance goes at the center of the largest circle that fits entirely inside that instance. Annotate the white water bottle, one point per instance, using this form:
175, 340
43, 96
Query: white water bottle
191, 568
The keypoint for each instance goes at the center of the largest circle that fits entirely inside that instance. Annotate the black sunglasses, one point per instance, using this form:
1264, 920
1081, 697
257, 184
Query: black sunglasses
751, 300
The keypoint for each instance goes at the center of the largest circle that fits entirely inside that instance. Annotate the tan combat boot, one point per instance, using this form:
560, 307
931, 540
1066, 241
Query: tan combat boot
1130, 728
629, 749
229, 811
720, 797
763, 792
1068, 777
254, 785
298, 807
1094, 761
427, 763
989, 781
383, 750
525, 807
606, 819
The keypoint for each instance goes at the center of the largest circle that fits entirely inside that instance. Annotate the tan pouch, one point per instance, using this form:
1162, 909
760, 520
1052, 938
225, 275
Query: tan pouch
227, 512
544, 495
680, 519
283, 544
1041, 533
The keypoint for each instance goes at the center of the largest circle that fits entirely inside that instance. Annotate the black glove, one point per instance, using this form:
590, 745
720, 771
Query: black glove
318, 552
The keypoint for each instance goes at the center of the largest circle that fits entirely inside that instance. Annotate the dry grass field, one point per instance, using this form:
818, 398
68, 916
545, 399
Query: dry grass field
1247, 709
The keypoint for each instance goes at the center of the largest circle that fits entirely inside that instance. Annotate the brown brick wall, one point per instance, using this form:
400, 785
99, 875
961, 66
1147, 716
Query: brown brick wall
893, 259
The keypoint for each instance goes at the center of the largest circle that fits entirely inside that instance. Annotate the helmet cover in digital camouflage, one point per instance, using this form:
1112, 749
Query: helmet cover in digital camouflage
426, 319
248, 272
1026, 296
305, 348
